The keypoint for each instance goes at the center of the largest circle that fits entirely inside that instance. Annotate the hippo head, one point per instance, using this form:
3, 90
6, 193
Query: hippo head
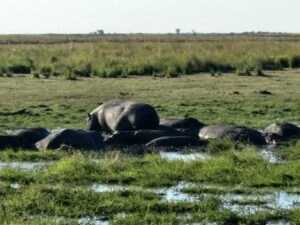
93, 123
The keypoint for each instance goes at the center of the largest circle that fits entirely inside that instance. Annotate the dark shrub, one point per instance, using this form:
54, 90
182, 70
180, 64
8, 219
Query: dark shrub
19, 69
295, 62
54, 59
270, 64
46, 71
283, 61
114, 72
36, 75
243, 70
193, 65
84, 70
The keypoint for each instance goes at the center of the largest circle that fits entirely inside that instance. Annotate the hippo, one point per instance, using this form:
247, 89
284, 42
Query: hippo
137, 137
24, 138
8, 141
236, 133
175, 141
79, 139
188, 126
281, 131
122, 115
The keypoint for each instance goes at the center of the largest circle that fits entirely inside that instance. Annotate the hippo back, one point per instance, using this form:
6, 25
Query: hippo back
281, 131
236, 133
77, 139
121, 115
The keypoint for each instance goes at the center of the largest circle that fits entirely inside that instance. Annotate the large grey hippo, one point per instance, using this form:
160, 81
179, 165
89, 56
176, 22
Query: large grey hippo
122, 115
188, 126
236, 133
281, 131
78, 139
137, 137
24, 138
175, 141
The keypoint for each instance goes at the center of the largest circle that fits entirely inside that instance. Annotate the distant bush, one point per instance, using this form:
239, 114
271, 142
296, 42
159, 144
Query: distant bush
46, 71
259, 71
244, 70
36, 75
283, 61
269, 64
84, 70
71, 76
295, 62
172, 72
192, 65
19, 69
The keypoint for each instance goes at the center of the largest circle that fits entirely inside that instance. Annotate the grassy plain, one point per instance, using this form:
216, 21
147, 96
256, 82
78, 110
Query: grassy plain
61, 193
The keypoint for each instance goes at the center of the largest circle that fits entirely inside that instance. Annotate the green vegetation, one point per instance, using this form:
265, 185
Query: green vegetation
66, 83
57, 102
166, 55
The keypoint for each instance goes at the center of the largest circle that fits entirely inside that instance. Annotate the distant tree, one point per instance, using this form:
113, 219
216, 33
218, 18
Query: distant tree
99, 32
194, 32
178, 30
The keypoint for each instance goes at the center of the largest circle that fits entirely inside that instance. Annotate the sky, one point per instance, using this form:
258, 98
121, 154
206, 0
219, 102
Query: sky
148, 16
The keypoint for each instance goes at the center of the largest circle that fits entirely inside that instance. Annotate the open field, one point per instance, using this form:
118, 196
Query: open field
56, 102
159, 55
229, 183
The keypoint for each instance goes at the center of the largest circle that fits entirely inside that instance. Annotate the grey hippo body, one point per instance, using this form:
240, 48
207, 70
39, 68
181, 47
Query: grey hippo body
187, 126
234, 132
175, 141
281, 131
24, 138
138, 137
121, 115
78, 139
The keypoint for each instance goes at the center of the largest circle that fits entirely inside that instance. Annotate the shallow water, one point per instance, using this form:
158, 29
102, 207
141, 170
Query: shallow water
279, 222
275, 200
183, 156
24, 165
169, 194
91, 221
268, 152
280, 199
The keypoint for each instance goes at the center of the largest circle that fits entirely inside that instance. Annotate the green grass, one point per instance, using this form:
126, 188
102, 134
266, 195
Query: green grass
63, 188
167, 55
57, 102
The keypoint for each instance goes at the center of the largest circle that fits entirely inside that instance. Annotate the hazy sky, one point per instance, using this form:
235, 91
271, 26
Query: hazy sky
151, 16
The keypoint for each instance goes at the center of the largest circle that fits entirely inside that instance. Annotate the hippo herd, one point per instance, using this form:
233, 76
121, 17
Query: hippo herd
121, 122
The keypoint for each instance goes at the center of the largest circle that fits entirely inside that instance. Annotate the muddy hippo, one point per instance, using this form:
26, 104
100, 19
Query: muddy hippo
281, 131
137, 137
236, 133
24, 138
78, 139
188, 126
175, 141
122, 115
